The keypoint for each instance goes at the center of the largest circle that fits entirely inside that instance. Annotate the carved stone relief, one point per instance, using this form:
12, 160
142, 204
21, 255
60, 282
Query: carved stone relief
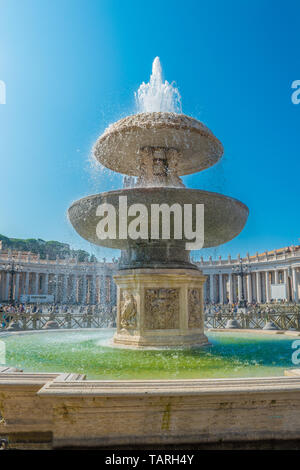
161, 309
194, 308
128, 310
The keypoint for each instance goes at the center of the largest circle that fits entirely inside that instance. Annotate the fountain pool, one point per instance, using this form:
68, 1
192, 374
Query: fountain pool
231, 354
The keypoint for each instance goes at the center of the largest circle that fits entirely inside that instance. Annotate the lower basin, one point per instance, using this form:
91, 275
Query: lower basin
231, 354
224, 216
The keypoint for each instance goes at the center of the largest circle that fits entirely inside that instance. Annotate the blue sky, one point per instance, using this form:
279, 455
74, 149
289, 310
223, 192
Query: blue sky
71, 68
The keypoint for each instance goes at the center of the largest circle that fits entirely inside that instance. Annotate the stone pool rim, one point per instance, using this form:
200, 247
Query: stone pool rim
53, 410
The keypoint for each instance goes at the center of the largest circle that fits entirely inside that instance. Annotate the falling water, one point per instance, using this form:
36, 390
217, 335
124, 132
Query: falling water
158, 95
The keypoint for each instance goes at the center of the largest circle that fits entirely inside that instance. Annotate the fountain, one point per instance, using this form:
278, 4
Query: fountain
226, 396
160, 291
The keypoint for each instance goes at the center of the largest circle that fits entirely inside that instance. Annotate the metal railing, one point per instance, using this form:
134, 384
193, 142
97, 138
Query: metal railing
284, 317
37, 321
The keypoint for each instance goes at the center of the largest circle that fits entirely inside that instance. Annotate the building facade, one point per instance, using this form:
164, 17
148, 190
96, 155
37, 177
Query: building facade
265, 272
69, 281
73, 282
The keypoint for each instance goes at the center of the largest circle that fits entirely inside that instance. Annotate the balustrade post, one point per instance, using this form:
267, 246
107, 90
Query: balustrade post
69, 320
298, 321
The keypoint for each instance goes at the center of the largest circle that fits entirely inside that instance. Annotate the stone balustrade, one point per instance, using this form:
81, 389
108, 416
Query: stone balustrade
61, 411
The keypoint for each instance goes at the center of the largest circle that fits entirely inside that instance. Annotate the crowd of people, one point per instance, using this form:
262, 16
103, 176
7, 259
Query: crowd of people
9, 310
249, 307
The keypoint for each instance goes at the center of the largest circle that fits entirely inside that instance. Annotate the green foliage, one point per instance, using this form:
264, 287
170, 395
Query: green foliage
51, 248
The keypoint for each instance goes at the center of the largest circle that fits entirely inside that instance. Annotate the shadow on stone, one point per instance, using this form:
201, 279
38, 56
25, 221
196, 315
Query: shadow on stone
51, 325
13, 326
270, 326
232, 324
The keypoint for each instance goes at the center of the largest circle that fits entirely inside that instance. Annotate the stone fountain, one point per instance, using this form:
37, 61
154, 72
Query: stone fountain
160, 291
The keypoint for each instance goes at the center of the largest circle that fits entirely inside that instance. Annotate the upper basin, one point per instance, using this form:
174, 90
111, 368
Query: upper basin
224, 217
118, 148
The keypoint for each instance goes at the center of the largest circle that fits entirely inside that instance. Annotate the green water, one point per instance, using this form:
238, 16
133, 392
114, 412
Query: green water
82, 351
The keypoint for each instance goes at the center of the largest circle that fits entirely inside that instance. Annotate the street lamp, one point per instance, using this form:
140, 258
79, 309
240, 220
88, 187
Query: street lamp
12, 268
241, 270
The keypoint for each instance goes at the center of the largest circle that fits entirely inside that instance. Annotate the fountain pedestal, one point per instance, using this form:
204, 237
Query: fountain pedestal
160, 308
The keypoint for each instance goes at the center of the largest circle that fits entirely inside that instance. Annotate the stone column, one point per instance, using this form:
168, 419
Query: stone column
286, 281
26, 283
233, 282
17, 285
230, 288
7, 286
36, 283
56, 288
113, 300
1, 286
295, 285
84, 286
108, 290
267, 286
239, 287
211, 287
102, 291
258, 287
65, 288
276, 277
205, 291
249, 288
46, 282
221, 289
93, 289
97, 297
74, 289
